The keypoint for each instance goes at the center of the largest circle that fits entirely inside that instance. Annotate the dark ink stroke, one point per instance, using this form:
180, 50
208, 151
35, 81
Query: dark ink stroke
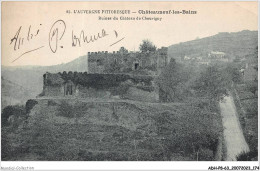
117, 42
55, 36
76, 40
27, 52
15, 38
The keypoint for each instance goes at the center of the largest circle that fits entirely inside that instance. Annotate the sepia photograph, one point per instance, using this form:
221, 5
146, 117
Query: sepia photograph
129, 81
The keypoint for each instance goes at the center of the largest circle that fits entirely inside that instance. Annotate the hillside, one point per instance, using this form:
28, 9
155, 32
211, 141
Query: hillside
12, 93
237, 44
85, 130
31, 77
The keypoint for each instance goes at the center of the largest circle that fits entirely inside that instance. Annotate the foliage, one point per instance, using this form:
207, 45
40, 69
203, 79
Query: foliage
247, 156
16, 111
123, 50
147, 46
248, 117
212, 84
172, 80
6, 148
231, 72
252, 86
66, 110
29, 105
104, 81
243, 43
9, 127
186, 130
191, 132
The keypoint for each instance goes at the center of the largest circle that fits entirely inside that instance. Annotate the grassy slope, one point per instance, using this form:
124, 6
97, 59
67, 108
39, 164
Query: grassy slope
12, 93
65, 130
31, 77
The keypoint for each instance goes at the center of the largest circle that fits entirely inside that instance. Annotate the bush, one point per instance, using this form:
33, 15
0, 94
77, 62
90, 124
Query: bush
205, 155
51, 103
70, 111
6, 149
252, 87
66, 110
247, 156
30, 104
16, 111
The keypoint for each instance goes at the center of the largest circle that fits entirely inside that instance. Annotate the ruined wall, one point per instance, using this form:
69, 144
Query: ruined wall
83, 85
124, 62
53, 91
84, 92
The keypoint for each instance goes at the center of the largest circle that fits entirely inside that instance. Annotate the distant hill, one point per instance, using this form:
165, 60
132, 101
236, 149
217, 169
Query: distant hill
80, 65
12, 93
29, 79
237, 44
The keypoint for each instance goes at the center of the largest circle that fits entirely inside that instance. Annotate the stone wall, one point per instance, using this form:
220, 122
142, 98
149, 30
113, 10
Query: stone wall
84, 92
83, 85
124, 62
53, 91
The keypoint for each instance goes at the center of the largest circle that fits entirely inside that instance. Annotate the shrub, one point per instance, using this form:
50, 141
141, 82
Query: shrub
30, 104
66, 110
205, 155
70, 111
51, 103
247, 156
16, 111
6, 149
252, 87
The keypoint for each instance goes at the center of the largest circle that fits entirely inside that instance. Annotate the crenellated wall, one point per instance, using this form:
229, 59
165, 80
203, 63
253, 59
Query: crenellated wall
83, 85
125, 62
111, 75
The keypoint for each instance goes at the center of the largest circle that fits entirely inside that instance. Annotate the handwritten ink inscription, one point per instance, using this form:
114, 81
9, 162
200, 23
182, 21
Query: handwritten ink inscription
76, 41
56, 34
17, 40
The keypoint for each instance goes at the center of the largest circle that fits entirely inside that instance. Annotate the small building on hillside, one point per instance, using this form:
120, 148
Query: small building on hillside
217, 56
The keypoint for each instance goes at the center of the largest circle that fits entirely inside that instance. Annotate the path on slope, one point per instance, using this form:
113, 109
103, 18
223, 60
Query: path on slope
233, 135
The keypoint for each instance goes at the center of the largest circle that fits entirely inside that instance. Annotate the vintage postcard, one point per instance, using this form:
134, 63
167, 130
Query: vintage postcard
129, 81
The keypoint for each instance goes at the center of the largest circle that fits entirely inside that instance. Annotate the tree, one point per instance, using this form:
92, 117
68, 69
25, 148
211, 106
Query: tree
16, 111
212, 84
231, 72
252, 87
147, 46
172, 81
123, 50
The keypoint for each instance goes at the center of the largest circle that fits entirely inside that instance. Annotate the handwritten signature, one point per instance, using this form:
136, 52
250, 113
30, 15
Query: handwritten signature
56, 33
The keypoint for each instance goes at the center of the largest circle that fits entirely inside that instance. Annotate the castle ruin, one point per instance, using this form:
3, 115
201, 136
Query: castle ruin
105, 86
127, 62
122, 74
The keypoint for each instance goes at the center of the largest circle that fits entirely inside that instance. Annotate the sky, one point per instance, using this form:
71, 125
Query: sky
49, 24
